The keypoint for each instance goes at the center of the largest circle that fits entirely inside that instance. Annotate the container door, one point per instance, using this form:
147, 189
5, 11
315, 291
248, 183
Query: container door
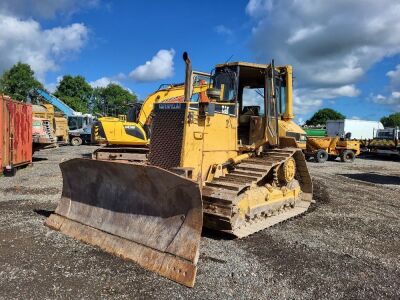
2, 133
11, 112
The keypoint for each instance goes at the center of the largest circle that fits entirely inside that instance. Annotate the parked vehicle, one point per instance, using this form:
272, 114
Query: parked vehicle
322, 149
355, 129
386, 141
57, 123
42, 134
315, 131
218, 163
79, 125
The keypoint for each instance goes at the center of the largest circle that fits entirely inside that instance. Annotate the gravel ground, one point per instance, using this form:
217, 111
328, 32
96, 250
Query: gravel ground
346, 246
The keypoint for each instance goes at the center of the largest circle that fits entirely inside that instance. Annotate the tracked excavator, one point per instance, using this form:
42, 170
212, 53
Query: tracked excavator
214, 163
127, 137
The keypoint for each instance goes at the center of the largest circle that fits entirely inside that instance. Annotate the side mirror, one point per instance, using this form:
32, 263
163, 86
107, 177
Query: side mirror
213, 94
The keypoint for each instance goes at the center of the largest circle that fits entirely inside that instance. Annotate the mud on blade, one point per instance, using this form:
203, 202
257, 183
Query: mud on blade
138, 212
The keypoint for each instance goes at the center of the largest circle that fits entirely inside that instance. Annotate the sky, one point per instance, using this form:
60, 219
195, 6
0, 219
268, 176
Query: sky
345, 53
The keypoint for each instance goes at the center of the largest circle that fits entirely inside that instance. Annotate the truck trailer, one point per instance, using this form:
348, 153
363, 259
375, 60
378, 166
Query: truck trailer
353, 129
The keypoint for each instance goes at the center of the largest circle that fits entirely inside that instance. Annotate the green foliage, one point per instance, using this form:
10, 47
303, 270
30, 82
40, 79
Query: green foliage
113, 100
392, 120
323, 115
75, 92
18, 81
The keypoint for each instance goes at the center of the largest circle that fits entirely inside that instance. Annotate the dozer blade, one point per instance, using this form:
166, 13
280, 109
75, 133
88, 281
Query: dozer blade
138, 212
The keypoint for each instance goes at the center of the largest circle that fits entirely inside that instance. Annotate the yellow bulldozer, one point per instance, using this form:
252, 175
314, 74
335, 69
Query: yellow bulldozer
216, 163
127, 137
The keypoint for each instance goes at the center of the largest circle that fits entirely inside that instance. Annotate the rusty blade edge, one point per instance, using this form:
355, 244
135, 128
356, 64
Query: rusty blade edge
167, 265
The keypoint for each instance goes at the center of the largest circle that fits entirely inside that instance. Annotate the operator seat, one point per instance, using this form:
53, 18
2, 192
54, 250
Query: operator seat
247, 113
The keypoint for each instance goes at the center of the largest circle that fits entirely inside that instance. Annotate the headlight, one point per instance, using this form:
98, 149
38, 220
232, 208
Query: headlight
303, 137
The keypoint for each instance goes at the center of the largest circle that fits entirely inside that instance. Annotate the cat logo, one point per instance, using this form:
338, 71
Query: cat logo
169, 106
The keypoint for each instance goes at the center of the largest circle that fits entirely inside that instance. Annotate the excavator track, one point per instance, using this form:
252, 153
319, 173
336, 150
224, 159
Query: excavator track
221, 195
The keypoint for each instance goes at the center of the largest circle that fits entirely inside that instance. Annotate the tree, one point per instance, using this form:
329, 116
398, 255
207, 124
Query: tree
75, 92
18, 81
113, 100
323, 115
392, 120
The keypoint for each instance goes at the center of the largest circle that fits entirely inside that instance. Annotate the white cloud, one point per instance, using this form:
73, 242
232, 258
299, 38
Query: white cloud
51, 87
302, 104
394, 76
256, 8
121, 76
303, 34
222, 29
44, 8
392, 99
307, 100
253, 97
161, 66
331, 44
330, 93
300, 121
103, 82
225, 32
25, 41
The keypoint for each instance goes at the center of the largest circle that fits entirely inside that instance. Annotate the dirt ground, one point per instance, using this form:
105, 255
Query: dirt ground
346, 246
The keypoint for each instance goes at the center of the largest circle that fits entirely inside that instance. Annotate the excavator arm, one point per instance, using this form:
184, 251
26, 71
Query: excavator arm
170, 93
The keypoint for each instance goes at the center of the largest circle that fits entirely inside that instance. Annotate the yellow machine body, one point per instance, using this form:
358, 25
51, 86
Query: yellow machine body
288, 128
120, 132
386, 141
61, 128
332, 147
216, 162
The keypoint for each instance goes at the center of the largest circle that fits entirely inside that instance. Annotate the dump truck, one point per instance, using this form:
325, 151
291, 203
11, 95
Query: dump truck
127, 137
215, 163
330, 148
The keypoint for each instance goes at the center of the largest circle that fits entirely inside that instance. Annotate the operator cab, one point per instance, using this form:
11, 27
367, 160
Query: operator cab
245, 85
80, 122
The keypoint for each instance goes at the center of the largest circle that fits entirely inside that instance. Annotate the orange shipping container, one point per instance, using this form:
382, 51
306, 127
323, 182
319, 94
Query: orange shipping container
15, 134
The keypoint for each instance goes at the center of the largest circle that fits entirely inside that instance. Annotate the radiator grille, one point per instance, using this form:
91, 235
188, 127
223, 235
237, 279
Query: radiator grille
167, 135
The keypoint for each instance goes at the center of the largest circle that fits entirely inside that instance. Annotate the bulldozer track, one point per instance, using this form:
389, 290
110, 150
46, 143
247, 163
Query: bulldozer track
220, 196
